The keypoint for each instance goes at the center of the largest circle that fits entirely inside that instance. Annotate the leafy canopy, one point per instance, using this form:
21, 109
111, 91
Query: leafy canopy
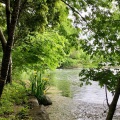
45, 50
99, 22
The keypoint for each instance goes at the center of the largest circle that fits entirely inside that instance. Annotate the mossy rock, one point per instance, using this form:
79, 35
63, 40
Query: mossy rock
44, 100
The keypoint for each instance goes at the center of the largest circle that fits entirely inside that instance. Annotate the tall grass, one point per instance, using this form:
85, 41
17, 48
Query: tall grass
39, 85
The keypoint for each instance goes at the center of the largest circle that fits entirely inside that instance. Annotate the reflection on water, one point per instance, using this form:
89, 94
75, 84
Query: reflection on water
67, 80
61, 83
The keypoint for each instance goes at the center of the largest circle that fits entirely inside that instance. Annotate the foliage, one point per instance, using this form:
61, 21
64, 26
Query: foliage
37, 28
45, 50
100, 37
32, 20
23, 114
79, 58
100, 31
64, 87
99, 21
69, 63
2, 17
106, 77
39, 85
14, 94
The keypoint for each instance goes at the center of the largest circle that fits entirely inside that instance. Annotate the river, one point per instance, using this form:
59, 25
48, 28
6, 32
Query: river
89, 101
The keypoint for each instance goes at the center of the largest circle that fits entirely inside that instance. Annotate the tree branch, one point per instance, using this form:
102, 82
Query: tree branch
8, 15
14, 19
2, 39
74, 10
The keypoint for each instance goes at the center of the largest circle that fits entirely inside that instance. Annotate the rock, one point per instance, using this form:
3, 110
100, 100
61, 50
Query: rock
39, 113
33, 102
45, 100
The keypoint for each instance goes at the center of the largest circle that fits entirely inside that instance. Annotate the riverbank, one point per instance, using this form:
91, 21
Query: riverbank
65, 108
62, 107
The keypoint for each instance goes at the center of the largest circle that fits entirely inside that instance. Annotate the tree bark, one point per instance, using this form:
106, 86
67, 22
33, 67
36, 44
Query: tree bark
3, 40
9, 76
113, 105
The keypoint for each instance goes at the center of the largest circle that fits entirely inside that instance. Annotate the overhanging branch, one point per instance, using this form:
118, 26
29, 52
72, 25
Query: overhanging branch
77, 12
73, 9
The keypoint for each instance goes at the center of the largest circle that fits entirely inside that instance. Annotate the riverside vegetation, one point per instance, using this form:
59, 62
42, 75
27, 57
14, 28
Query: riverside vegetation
14, 105
39, 35
26, 84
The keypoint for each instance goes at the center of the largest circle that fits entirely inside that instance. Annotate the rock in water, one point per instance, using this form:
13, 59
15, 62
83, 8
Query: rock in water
45, 100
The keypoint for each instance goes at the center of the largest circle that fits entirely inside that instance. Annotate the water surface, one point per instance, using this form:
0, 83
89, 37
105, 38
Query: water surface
68, 81
85, 103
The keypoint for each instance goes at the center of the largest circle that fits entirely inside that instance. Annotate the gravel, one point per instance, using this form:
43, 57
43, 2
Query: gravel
64, 108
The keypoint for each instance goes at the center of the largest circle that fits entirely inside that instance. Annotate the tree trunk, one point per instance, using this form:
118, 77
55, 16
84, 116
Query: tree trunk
113, 105
3, 42
8, 48
4, 69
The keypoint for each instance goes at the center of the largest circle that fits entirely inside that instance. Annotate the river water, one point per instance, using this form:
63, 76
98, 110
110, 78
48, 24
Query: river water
68, 81
90, 100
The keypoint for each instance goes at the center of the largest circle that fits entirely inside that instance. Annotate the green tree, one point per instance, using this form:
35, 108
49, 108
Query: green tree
99, 21
22, 21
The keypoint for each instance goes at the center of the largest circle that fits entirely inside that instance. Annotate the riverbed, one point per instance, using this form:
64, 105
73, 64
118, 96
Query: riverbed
72, 102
